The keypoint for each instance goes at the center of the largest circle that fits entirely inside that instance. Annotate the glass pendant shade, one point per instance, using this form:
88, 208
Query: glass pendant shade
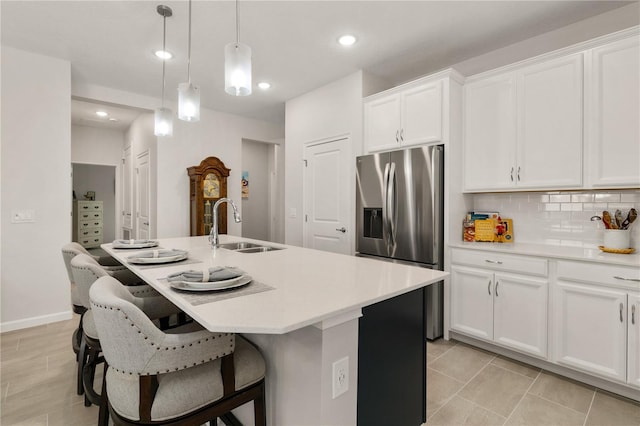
237, 69
188, 102
163, 122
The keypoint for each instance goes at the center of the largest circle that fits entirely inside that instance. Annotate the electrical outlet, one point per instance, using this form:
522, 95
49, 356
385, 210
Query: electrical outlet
340, 377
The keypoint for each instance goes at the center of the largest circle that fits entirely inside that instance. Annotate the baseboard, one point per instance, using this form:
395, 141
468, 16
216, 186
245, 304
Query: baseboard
35, 321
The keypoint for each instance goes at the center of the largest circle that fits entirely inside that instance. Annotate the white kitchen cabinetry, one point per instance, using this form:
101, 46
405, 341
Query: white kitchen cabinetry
523, 127
592, 322
613, 108
415, 113
490, 302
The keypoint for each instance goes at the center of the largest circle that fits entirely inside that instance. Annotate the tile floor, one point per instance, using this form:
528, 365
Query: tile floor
466, 386
469, 386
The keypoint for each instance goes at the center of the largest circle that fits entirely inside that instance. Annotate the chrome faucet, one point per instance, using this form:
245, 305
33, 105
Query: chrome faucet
213, 236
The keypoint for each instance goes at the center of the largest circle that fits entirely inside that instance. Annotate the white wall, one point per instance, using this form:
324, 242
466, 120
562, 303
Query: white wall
216, 134
256, 217
93, 145
36, 174
327, 112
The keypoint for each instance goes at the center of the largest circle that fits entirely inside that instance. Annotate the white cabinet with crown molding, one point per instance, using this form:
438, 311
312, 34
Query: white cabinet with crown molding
523, 127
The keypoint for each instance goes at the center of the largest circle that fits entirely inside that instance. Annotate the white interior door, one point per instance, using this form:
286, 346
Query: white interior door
142, 195
127, 204
327, 196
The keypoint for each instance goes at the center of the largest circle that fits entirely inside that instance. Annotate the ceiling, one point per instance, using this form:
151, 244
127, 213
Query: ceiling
111, 43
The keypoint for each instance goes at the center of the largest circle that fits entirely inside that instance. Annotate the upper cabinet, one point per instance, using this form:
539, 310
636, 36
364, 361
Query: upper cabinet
411, 114
523, 128
566, 120
613, 108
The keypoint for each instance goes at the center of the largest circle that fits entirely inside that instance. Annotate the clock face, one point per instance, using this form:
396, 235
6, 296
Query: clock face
211, 186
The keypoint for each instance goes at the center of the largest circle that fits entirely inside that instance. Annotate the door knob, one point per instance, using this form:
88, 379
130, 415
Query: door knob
343, 229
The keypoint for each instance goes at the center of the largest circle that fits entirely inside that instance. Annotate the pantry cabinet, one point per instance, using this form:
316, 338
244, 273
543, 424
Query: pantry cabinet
613, 101
414, 113
523, 127
490, 303
87, 223
595, 320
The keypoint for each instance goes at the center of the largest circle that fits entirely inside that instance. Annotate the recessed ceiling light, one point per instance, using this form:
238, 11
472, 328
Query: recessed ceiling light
264, 85
101, 113
347, 40
113, 119
163, 54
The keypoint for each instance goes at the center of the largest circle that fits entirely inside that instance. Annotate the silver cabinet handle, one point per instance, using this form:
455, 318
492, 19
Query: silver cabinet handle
511, 174
145, 223
633, 314
497, 262
401, 135
497, 284
621, 306
627, 279
489, 287
343, 229
397, 135
518, 173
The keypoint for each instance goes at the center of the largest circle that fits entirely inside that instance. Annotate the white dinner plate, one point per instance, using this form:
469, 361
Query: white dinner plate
156, 260
127, 244
211, 286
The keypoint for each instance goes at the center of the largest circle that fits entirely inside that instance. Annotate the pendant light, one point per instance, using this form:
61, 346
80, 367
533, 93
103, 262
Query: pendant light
189, 94
237, 65
163, 117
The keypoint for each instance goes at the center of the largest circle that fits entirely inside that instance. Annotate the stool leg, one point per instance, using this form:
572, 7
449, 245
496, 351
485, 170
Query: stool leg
82, 356
103, 414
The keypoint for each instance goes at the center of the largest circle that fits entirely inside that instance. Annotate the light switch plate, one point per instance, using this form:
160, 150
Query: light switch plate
23, 216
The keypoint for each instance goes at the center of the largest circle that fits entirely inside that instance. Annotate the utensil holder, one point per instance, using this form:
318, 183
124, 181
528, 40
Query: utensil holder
617, 238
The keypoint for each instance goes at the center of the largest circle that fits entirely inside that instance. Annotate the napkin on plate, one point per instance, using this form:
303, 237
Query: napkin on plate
216, 273
160, 253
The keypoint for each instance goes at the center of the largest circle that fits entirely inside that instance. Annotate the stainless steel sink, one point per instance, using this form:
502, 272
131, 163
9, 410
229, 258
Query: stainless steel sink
258, 249
240, 245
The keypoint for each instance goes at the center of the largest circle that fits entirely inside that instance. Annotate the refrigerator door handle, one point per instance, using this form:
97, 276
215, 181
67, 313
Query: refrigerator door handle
385, 206
391, 201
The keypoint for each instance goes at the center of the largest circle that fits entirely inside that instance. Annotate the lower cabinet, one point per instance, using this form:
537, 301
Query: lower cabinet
595, 320
506, 308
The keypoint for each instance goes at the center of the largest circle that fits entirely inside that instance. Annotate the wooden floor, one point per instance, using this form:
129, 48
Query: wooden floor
465, 386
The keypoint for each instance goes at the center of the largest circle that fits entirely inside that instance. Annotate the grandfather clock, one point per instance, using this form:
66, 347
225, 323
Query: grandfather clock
207, 184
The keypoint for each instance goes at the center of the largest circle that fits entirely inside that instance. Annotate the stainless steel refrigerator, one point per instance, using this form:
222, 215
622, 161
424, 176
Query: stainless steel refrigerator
400, 209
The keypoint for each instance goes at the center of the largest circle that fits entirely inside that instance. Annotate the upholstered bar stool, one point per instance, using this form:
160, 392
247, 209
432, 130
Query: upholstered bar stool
182, 377
86, 271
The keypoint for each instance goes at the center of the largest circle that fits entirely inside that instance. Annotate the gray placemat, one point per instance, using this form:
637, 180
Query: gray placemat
164, 265
201, 297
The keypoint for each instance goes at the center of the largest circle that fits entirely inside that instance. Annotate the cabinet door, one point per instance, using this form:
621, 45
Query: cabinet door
421, 112
520, 313
614, 101
472, 301
382, 123
489, 134
633, 342
590, 327
549, 150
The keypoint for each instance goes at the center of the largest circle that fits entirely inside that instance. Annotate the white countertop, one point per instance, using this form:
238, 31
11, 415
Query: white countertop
309, 286
555, 251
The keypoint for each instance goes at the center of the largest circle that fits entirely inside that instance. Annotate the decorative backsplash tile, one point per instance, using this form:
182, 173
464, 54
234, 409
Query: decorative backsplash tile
561, 217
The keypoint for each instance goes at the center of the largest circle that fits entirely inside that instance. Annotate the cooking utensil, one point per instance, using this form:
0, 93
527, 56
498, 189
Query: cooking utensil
618, 218
631, 217
606, 219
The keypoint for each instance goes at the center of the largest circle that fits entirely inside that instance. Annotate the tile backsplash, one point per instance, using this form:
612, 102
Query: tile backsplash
562, 217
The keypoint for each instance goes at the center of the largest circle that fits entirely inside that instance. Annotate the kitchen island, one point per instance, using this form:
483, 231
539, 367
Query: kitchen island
302, 310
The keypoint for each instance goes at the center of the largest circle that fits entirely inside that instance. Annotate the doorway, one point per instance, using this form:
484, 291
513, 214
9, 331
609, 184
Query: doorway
262, 194
101, 181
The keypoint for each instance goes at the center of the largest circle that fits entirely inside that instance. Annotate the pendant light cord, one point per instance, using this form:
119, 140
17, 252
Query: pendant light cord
164, 49
237, 25
189, 48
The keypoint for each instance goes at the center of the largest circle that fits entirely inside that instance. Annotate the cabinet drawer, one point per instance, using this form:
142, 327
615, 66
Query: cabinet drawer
86, 224
90, 215
500, 261
84, 206
597, 273
90, 232
91, 241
